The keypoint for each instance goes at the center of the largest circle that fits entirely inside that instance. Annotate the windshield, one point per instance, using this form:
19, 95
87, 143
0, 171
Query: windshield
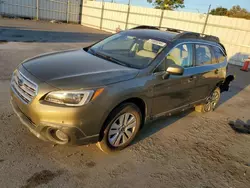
131, 51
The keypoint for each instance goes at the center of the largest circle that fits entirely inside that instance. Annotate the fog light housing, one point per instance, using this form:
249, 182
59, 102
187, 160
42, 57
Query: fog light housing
61, 135
57, 136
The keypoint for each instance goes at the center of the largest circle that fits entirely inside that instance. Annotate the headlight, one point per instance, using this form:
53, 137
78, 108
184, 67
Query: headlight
72, 98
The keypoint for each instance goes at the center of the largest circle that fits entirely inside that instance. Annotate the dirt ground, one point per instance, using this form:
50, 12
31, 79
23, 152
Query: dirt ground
186, 150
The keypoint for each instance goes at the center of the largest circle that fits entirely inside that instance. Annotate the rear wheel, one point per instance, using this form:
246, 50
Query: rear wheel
211, 103
121, 128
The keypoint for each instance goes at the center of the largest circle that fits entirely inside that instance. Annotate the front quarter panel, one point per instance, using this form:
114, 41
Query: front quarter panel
120, 92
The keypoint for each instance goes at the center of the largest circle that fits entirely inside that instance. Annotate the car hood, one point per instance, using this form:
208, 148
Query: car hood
77, 69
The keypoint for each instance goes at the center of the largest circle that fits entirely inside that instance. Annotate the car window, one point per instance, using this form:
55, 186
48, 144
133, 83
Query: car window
129, 50
219, 54
121, 43
181, 55
203, 55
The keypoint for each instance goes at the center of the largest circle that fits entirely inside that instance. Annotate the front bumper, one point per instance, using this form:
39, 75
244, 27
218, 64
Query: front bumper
81, 125
26, 121
75, 135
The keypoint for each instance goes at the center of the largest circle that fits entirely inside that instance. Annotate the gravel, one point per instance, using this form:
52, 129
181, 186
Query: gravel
186, 150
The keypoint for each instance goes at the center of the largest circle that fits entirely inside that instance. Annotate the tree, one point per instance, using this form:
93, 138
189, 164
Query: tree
238, 12
234, 12
220, 11
167, 4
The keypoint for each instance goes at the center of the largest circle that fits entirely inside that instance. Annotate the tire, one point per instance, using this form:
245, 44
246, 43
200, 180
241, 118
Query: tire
211, 103
122, 126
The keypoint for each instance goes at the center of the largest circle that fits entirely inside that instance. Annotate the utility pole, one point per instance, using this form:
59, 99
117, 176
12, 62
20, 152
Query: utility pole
205, 25
128, 12
162, 14
102, 12
81, 8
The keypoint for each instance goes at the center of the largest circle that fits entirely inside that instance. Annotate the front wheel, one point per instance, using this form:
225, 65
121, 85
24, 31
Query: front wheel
211, 103
121, 128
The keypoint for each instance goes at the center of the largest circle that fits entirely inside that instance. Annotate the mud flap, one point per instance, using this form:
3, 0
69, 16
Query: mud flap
226, 84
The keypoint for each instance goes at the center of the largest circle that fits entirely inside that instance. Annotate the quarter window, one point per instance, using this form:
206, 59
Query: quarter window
203, 55
219, 55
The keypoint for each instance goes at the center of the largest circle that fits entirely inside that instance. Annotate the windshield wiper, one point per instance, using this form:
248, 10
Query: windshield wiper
114, 60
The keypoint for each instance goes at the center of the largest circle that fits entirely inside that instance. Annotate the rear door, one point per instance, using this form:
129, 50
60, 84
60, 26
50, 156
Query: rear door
221, 61
207, 70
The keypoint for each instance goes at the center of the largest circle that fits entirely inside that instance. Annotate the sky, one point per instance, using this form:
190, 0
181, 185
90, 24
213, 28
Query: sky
195, 5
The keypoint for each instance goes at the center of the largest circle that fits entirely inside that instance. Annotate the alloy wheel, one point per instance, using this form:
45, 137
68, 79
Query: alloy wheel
122, 129
212, 101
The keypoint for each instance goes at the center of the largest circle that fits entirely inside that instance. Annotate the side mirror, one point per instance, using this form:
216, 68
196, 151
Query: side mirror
175, 70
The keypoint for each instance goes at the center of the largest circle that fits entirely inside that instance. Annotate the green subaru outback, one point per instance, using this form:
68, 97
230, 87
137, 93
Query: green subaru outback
106, 92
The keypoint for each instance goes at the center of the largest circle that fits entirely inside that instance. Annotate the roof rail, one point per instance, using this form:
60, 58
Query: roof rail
158, 28
182, 34
189, 35
146, 27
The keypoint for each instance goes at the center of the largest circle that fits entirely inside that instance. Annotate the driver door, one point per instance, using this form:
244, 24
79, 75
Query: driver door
177, 90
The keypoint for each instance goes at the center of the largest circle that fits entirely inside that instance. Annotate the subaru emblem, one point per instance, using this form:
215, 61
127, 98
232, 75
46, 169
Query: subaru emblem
20, 82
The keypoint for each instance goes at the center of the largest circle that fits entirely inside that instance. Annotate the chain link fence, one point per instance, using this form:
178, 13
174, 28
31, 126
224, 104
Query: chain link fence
60, 10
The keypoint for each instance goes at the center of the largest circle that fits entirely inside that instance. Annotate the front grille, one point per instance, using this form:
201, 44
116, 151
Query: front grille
23, 87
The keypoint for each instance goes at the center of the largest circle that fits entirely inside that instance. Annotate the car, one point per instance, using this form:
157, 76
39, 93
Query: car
106, 92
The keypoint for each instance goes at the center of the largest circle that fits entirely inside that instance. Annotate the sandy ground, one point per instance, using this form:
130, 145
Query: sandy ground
186, 150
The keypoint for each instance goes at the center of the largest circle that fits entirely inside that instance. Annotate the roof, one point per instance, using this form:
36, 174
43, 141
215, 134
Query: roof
152, 33
166, 34
179, 34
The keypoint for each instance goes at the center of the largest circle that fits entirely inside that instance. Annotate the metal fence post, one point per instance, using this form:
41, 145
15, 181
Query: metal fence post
37, 9
81, 9
68, 10
103, 4
205, 25
126, 27
1, 7
162, 14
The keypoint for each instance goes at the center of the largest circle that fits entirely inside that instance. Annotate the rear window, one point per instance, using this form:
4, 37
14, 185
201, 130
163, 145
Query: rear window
204, 55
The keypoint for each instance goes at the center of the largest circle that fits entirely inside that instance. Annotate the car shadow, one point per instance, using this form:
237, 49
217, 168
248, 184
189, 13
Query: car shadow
154, 126
240, 83
22, 34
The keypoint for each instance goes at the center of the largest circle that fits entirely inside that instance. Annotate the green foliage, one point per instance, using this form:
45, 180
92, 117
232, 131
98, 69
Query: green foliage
167, 4
220, 11
234, 12
238, 12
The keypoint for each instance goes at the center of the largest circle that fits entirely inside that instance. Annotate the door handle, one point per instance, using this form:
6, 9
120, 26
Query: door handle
216, 71
191, 78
